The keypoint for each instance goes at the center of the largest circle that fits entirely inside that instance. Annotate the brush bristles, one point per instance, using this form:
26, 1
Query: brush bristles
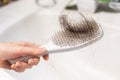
76, 28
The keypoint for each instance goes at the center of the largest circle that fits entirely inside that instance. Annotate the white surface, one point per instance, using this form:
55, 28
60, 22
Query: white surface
46, 3
111, 18
5, 76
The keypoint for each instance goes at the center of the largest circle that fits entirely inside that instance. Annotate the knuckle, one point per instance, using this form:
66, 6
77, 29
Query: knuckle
25, 44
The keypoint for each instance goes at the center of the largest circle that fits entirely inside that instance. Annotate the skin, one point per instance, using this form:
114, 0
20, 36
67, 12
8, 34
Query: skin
13, 50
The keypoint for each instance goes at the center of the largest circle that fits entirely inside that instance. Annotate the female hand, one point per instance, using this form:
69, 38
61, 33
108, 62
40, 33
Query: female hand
17, 49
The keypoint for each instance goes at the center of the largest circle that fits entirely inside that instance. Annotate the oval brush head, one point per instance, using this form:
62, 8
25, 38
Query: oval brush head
76, 28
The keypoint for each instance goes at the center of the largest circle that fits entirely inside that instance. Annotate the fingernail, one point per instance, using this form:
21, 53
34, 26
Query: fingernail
41, 50
18, 65
31, 61
35, 61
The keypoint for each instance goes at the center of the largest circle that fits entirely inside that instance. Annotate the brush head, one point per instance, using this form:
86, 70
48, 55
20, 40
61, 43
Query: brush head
76, 29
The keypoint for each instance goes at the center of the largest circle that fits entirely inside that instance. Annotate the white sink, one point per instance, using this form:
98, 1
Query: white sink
99, 61
5, 76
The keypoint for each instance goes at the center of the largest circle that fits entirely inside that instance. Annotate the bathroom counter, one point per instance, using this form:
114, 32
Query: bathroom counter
5, 76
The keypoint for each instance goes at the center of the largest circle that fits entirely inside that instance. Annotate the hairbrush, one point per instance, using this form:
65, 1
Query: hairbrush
77, 31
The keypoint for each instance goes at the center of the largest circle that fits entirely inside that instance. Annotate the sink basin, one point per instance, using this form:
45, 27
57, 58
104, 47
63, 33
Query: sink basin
98, 61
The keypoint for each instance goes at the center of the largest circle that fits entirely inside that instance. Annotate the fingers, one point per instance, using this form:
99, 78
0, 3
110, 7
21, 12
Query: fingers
21, 66
16, 50
34, 61
20, 49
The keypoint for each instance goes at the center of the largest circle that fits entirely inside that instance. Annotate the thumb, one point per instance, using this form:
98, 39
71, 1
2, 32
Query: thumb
23, 51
